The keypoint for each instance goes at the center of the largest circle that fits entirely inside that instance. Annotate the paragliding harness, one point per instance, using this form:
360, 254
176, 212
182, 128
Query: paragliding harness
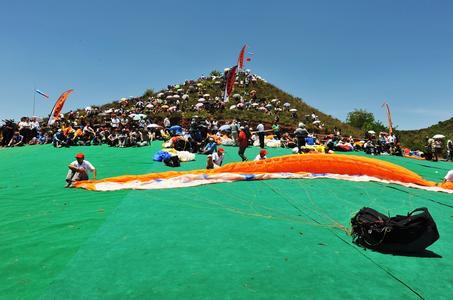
172, 161
399, 234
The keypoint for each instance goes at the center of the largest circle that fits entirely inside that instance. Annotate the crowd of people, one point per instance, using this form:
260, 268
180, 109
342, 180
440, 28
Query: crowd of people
203, 135
134, 122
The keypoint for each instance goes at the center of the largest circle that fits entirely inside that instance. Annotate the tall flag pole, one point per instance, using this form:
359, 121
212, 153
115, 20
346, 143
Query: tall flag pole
229, 85
55, 113
34, 98
34, 102
388, 117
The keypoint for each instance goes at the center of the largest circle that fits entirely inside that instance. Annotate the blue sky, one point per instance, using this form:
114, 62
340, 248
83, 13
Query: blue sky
336, 55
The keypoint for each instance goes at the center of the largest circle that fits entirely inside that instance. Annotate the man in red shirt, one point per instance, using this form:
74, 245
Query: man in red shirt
242, 141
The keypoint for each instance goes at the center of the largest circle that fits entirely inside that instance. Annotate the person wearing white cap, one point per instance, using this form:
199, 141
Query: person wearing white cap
301, 133
234, 132
260, 129
243, 141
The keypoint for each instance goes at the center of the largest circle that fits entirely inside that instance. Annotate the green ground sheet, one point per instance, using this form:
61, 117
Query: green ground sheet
275, 239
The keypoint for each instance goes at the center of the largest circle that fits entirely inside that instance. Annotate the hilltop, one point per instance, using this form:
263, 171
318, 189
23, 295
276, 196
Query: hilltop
266, 94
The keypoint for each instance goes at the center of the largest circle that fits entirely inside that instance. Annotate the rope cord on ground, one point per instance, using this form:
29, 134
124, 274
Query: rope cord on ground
355, 248
361, 252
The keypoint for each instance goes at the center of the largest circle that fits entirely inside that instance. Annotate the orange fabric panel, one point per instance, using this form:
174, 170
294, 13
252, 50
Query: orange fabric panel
308, 163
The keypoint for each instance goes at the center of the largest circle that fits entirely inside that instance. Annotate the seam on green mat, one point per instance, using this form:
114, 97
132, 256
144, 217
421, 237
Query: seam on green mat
83, 245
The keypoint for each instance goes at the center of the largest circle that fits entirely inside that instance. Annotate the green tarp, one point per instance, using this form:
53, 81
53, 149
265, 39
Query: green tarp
277, 239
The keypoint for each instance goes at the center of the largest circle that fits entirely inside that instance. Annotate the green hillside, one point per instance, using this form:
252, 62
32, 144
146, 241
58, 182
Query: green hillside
265, 92
417, 138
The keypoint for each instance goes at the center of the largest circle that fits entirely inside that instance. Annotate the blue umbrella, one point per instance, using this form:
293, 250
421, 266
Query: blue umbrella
225, 127
175, 128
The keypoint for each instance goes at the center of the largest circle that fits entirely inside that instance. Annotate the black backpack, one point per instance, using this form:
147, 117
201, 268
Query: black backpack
399, 234
172, 161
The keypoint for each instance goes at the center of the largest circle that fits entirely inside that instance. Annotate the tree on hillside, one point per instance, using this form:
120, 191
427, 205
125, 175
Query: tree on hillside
215, 73
360, 118
148, 93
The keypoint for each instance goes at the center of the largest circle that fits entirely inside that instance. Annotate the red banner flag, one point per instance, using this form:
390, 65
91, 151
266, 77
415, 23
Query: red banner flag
229, 86
55, 114
241, 58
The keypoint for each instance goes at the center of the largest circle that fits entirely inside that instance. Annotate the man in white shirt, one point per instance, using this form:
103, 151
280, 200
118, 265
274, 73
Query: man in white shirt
217, 157
260, 129
115, 121
78, 170
449, 176
262, 155
167, 122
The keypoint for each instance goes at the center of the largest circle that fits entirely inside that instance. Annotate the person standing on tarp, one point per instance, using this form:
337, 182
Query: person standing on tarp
78, 170
234, 132
243, 141
301, 133
276, 129
449, 150
260, 129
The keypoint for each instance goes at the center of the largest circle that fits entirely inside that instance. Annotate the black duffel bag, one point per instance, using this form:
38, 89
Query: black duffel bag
172, 161
399, 234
